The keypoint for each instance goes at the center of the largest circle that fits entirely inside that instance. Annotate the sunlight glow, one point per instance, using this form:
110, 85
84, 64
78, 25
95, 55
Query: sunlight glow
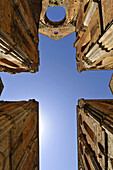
40, 127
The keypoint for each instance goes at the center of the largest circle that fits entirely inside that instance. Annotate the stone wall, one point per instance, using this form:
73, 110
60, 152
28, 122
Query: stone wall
95, 134
18, 36
94, 36
92, 20
64, 27
19, 135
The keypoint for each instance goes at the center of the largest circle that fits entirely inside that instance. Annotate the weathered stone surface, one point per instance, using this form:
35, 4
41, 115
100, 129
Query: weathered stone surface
64, 27
18, 36
19, 135
95, 134
92, 20
107, 13
94, 35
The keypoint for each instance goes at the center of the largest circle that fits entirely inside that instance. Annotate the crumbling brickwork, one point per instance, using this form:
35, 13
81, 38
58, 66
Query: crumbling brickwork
19, 36
95, 134
19, 135
94, 35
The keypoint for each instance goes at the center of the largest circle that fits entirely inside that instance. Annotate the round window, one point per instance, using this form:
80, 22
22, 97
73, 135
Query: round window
55, 32
56, 14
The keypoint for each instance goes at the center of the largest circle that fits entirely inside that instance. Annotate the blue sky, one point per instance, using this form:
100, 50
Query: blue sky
57, 86
56, 13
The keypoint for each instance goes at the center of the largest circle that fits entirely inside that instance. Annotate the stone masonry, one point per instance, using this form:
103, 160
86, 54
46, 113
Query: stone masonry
19, 36
95, 134
94, 35
19, 135
64, 27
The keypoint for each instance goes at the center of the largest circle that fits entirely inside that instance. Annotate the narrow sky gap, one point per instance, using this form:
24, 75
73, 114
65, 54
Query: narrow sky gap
57, 87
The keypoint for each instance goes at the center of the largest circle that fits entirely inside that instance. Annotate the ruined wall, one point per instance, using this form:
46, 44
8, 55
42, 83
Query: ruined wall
64, 27
19, 36
94, 35
92, 20
95, 134
19, 135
